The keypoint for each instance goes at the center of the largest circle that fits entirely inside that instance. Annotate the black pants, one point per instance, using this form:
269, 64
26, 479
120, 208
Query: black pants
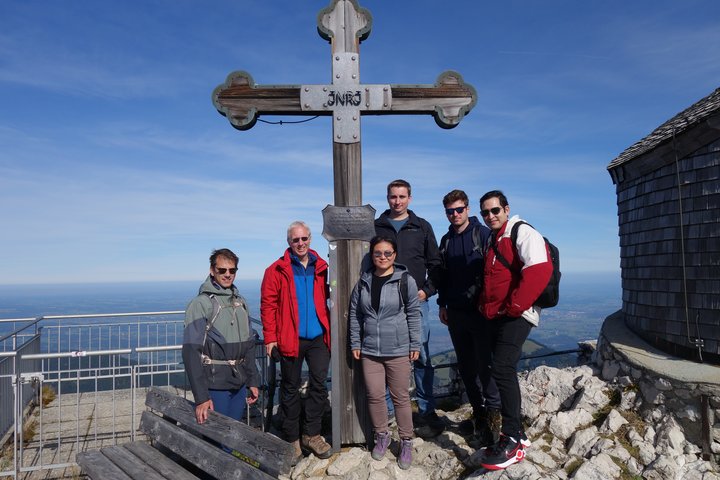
317, 356
468, 330
506, 338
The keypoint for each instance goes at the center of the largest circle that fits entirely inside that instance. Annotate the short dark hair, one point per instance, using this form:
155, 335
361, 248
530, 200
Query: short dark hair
223, 252
455, 196
495, 194
399, 183
379, 239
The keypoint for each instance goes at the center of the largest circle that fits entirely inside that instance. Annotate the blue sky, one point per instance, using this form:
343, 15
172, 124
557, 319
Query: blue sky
115, 166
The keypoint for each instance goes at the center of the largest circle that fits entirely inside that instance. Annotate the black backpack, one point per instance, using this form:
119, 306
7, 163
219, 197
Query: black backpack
551, 295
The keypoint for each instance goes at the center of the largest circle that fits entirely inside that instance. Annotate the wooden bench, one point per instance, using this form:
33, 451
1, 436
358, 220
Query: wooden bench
183, 450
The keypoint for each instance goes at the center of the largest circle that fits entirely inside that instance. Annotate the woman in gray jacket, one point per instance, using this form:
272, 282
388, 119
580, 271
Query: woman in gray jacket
385, 331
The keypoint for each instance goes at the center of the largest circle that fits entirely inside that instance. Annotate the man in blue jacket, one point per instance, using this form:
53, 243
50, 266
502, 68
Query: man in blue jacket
418, 251
459, 282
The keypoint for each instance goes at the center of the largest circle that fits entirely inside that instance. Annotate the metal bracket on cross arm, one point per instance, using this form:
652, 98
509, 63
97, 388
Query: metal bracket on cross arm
345, 102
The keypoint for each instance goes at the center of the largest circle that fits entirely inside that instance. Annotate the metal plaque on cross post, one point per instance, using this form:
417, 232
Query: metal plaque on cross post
345, 25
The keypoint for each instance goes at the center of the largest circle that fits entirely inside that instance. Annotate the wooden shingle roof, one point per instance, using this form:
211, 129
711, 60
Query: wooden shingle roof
693, 115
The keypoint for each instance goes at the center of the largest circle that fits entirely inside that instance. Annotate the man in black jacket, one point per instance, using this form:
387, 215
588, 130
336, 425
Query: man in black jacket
459, 282
418, 251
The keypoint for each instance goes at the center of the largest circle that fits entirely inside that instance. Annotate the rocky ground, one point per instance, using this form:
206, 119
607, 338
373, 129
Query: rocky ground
580, 425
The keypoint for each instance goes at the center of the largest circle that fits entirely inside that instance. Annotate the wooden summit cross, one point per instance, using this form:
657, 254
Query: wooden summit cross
344, 24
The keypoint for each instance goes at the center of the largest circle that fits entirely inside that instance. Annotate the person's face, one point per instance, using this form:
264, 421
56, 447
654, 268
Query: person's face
457, 220
493, 214
227, 266
398, 200
383, 255
299, 241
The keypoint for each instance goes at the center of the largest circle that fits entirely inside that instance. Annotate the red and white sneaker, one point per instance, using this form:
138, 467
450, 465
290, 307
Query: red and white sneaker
507, 451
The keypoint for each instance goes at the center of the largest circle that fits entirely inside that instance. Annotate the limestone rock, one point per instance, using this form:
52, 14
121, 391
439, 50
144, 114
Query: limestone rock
612, 422
582, 441
558, 408
565, 424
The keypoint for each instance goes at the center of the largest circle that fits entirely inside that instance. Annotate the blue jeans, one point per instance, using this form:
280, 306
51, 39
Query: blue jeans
423, 370
230, 403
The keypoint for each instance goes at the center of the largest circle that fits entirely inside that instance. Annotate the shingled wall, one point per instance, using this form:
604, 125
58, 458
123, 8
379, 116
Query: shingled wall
684, 151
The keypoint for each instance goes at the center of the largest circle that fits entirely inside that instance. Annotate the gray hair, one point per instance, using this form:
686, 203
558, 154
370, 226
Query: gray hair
295, 224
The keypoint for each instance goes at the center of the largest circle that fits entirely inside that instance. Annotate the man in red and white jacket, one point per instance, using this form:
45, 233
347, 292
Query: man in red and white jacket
507, 302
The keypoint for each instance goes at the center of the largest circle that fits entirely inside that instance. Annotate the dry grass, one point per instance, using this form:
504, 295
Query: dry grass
48, 395
572, 467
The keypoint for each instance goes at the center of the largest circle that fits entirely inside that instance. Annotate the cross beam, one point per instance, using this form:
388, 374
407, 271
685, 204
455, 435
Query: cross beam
345, 25
243, 102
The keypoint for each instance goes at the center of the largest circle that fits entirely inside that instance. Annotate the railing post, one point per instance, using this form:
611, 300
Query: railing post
18, 416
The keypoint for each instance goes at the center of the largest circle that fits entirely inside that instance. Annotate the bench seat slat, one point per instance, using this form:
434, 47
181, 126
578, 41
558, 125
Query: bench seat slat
135, 467
98, 467
165, 466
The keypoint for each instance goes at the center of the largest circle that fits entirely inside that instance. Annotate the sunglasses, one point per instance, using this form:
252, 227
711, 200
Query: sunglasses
386, 254
222, 271
299, 239
450, 211
494, 211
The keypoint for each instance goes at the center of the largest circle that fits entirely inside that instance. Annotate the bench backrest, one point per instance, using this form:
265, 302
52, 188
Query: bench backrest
256, 455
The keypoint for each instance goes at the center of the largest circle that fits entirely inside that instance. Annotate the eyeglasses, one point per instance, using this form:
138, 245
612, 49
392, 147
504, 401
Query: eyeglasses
450, 211
494, 211
386, 253
299, 239
222, 271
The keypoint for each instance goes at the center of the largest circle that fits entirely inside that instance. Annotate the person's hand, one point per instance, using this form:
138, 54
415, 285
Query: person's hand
421, 295
254, 393
269, 347
356, 354
443, 314
201, 411
414, 355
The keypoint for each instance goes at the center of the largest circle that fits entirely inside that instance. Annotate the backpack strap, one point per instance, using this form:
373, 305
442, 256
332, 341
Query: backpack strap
404, 294
443, 245
215, 313
513, 238
514, 231
477, 240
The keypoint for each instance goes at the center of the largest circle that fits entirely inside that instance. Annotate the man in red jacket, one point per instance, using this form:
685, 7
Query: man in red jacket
295, 320
507, 301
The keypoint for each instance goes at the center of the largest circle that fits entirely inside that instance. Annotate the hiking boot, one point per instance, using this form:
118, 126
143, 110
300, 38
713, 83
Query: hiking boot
494, 422
405, 458
317, 446
297, 453
382, 441
466, 427
507, 451
483, 434
430, 425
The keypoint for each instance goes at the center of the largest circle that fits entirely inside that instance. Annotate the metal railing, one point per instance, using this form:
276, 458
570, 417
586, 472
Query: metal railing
70, 383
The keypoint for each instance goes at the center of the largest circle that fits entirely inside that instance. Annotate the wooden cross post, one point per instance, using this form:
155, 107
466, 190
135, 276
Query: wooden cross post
344, 24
